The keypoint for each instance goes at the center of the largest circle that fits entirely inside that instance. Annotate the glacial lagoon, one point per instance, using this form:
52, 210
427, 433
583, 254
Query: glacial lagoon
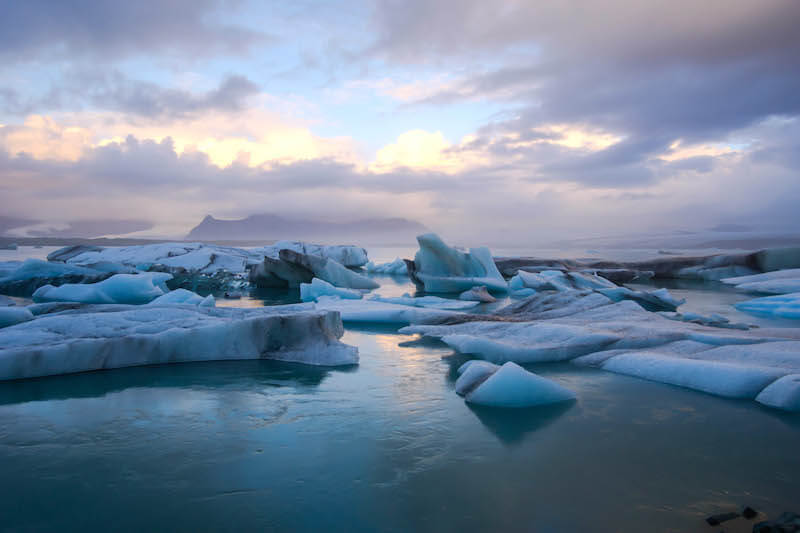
386, 445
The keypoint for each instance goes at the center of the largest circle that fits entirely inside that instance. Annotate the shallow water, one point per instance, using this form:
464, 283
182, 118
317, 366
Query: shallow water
384, 446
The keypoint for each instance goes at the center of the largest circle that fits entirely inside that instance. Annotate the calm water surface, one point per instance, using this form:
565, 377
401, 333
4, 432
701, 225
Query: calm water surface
384, 446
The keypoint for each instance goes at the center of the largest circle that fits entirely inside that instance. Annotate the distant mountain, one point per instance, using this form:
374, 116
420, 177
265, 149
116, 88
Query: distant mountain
273, 227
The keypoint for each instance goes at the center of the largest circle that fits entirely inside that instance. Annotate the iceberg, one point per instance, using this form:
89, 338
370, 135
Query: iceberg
784, 393
346, 255
623, 337
477, 294
512, 386
328, 270
778, 282
781, 306
310, 292
116, 336
10, 315
394, 268
431, 302
657, 300
183, 297
372, 311
118, 289
32, 274
473, 373
440, 268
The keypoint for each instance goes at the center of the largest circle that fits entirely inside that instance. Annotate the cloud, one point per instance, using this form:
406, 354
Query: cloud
113, 91
52, 29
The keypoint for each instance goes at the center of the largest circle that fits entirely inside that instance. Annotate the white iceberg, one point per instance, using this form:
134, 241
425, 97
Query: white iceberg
373, 311
394, 268
310, 292
477, 294
784, 393
328, 270
105, 337
346, 255
184, 297
781, 306
657, 300
512, 386
792, 273
10, 315
24, 278
624, 338
440, 268
431, 302
118, 289
473, 373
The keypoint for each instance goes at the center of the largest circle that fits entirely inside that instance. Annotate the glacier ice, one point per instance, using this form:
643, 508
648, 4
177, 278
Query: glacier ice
780, 306
26, 277
96, 337
432, 302
477, 294
440, 268
395, 268
512, 386
657, 300
310, 292
347, 255
784, 393
120, 289
10, 315
778, 282
184, 297
473, 373
623, 337
372, 311
328, 270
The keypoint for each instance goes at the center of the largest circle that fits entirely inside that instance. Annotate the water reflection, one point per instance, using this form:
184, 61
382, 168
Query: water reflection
197, 375
513, 426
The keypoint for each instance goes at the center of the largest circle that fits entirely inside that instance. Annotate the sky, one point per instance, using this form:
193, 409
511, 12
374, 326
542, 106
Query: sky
484, 120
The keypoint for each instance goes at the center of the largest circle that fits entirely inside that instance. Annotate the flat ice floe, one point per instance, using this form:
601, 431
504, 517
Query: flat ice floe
431, 302
624, 338
440, 268
394, 268
372, 311
114, 336
118, 289
24, 278
310, 292
780, 306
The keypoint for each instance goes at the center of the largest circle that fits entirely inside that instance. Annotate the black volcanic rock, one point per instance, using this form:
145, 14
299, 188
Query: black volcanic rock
272, 227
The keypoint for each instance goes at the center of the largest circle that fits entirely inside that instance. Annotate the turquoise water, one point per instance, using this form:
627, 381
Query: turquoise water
384, 446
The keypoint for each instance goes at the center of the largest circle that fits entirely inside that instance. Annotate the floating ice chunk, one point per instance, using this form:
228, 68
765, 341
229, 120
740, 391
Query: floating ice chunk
395, 268
714, 320
477, 294
346, 255
34, 273
784, 393
104, 337
431, 302
792, 273
440, 268
119, 289
522, 293
381, 312
658, 300
182, 296
781, 306
513, 386
10, 315
556, 280
776, 286
714, 377
310, 292
6, 301
473, 373
328, 270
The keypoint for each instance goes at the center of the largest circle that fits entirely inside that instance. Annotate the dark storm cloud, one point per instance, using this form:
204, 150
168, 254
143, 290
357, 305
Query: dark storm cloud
113, 91
38, 29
